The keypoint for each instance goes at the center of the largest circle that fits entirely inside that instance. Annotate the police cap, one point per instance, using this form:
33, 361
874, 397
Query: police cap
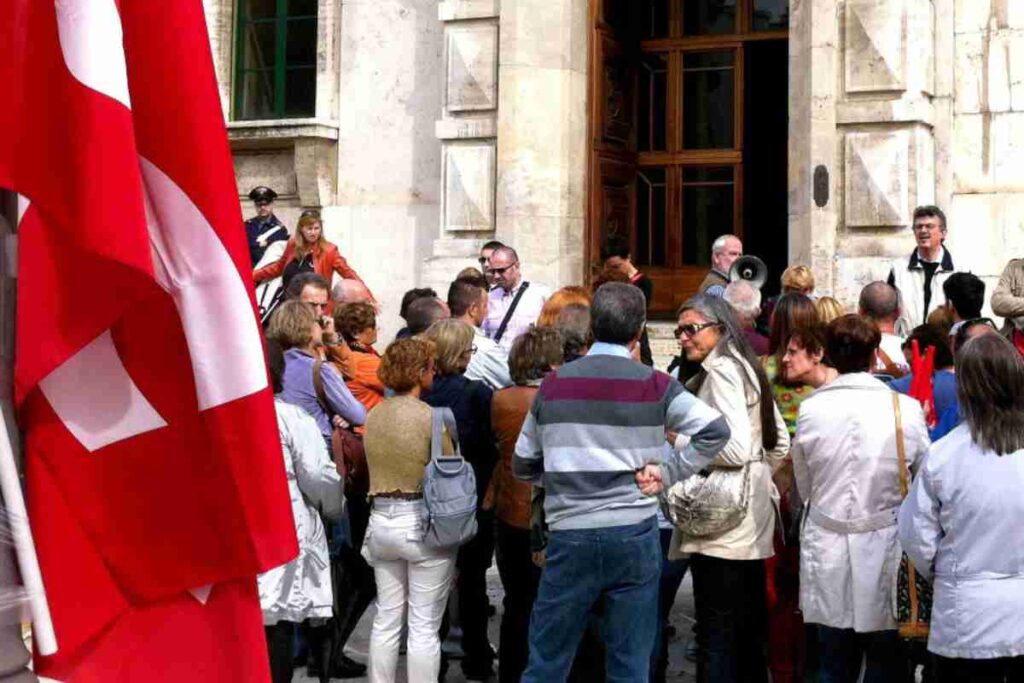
262, 194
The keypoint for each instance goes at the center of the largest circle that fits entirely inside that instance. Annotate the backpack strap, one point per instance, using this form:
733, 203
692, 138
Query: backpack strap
442, 420
318, 386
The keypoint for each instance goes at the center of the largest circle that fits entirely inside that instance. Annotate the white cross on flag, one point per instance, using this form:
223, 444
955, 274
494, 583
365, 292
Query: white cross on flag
155, 477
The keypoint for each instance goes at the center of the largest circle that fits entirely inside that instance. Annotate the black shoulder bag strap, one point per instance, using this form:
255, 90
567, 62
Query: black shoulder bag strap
508, 314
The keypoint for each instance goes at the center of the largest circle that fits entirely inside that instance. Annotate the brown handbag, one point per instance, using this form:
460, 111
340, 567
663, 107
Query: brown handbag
346, 445
913, 592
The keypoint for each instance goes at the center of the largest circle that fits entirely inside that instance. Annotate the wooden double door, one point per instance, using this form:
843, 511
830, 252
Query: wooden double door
688, 122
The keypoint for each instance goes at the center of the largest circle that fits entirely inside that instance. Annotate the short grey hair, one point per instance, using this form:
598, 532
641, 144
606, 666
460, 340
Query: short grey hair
719, 244
743, 297
618, 313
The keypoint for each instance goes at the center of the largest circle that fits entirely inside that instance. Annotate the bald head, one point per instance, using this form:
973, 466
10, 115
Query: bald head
880, 302
351, 292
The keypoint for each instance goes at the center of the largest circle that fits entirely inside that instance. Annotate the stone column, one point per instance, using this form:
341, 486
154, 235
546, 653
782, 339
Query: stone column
862, 117
468, 131
542, 138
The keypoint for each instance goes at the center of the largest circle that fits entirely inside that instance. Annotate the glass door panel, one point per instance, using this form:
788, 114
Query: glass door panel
709, 17
651, 98
651, 214
709, 210
709, 100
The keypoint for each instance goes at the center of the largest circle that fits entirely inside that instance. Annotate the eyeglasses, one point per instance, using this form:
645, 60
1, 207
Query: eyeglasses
926, 227
693, 329
471, 350
501, 271
979, 321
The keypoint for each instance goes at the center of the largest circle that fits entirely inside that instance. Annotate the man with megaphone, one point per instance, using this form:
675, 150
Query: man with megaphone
724, 252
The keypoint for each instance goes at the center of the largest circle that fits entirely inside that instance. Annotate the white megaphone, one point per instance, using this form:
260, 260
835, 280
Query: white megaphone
750, 269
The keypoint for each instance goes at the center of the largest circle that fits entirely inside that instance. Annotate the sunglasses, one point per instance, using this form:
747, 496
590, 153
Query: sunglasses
310, 213
501, 271
692, 329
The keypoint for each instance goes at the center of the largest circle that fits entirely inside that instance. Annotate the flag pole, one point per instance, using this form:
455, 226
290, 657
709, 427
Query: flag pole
43, 636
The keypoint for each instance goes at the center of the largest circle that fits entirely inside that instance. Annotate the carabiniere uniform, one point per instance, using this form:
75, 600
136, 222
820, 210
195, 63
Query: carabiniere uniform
263, 230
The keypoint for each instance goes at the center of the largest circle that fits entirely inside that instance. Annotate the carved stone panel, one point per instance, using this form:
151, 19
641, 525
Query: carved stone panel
471, 66
875, 55
468, 182
877, 188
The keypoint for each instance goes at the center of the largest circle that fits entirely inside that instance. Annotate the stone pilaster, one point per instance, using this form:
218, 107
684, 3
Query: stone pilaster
542, 138
468, 131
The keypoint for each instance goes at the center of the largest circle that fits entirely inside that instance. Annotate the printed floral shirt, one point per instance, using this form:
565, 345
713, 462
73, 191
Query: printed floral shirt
787, 397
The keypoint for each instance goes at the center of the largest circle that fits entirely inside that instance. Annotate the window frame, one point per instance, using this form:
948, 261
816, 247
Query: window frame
280, 69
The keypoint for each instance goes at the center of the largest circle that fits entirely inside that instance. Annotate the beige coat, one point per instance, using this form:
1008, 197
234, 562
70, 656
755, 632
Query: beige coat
1008, 297
731, 388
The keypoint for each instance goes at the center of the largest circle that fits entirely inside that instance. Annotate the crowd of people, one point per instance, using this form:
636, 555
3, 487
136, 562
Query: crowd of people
795, 458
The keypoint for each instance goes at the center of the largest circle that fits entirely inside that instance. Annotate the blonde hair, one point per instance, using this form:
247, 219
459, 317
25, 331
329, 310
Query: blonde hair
798, 279
829, 309
452, 338
554, 306
302, 247
291, 324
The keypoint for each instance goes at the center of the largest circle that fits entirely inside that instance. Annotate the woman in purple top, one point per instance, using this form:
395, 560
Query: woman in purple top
296, 327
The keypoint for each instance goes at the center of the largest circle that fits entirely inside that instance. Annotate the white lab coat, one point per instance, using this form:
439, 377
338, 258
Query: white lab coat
961, 525
302, 588
845, 463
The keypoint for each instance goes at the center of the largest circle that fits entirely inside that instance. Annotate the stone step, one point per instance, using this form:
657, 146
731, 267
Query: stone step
664, 346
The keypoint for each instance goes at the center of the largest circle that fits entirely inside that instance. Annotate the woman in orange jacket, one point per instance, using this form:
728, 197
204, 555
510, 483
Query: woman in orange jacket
307, 251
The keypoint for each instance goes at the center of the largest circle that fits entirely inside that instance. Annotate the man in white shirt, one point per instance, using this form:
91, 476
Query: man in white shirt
919, 279
514, 303
880, 303
467, 301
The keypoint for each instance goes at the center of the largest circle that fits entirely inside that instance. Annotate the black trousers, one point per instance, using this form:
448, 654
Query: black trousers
520, 578
471, 566
352, 580
1001, 670
280, 639
731, 609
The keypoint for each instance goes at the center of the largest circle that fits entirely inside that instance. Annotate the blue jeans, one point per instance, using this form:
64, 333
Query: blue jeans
617, 566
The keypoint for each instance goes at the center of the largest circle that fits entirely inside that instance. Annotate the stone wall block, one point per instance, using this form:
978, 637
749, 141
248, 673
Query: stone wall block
877, 179
471, 67
467, 178
875, 55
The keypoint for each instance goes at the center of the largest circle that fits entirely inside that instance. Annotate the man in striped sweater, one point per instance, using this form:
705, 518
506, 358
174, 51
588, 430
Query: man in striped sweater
595, 440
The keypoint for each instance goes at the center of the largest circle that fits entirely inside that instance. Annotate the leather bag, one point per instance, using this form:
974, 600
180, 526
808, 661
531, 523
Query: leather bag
710, 503
913, 592
346, 445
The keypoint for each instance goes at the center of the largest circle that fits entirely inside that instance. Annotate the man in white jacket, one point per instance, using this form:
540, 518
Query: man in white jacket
919, 279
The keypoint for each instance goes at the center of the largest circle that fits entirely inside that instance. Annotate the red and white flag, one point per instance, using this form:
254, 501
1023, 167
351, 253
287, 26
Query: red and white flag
154, 470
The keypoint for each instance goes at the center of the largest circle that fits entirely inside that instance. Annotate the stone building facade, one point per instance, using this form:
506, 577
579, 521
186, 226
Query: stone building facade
441, 124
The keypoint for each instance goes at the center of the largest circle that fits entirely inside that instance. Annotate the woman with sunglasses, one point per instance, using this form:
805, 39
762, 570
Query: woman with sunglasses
308, 251
729, 568
470, 401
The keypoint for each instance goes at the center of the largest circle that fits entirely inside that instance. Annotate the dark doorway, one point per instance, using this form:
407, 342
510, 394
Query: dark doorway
688, 122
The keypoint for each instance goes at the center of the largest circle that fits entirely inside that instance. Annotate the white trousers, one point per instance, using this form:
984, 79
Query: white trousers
410, 576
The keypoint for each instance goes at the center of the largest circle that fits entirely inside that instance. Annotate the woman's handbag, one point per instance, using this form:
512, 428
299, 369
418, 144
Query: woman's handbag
345, 444
710, 503
913, 592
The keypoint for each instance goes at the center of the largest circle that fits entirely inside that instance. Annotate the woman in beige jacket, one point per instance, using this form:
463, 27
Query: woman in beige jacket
728, 569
